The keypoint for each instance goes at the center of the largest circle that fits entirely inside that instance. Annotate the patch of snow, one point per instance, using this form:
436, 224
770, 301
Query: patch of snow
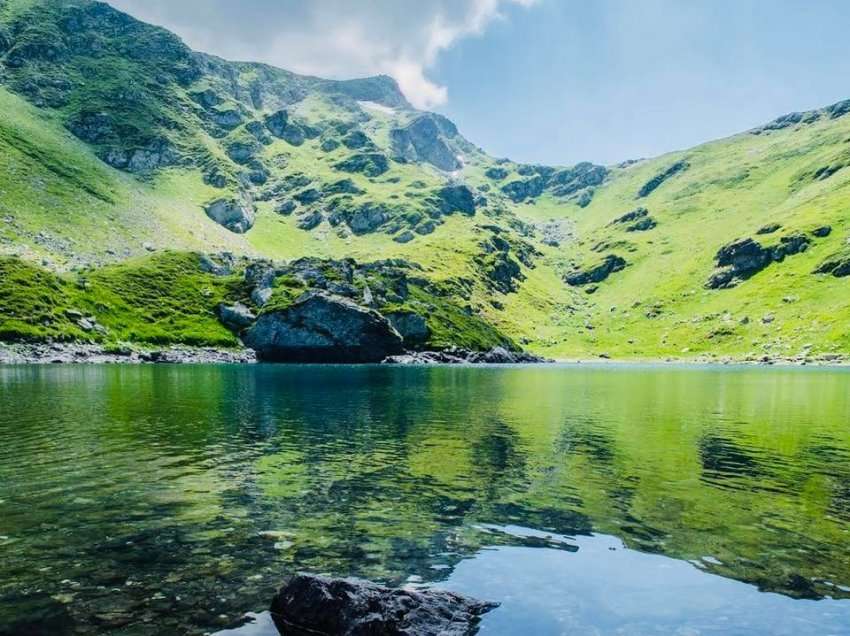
378, 107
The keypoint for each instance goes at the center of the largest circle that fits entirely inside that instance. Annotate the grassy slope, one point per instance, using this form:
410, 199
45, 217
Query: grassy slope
59, 202
733, 187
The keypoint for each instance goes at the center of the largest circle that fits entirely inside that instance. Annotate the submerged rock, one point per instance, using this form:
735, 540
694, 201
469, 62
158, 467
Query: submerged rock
323, 327
352, 607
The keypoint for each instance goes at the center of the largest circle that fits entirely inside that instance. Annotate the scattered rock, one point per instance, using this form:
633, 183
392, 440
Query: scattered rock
742, 259
323, 327
838, 265
596, 273
496, 173
456, 198
351, 607
822, 231
286, 207
236, 317
237, 215
650, 186
309, 220
770, 228
277, 123
454, 355
404, 237
371, 164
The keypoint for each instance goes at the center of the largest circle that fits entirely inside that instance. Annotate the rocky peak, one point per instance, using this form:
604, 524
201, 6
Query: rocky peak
381, 89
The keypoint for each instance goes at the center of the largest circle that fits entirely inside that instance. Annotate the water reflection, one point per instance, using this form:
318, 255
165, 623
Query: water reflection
157, 499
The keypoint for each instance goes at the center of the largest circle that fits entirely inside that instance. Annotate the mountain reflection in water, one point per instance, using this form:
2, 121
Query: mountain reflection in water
647, 499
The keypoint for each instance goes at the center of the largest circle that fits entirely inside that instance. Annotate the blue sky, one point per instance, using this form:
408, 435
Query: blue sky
552, 81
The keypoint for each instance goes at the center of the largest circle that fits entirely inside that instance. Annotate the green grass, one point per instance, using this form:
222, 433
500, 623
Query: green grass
60, 203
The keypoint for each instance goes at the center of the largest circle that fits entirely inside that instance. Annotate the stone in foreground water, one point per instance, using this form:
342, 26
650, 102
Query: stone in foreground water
310, 604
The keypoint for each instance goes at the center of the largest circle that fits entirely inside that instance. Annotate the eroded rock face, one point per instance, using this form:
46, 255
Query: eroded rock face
352, 607
323, 327
277, 122
412, 327
425, 139
236, 317
237, 215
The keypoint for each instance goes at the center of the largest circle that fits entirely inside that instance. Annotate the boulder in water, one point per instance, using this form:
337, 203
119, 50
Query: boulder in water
351, 607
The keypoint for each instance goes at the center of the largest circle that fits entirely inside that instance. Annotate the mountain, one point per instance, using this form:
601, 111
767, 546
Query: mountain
126, 157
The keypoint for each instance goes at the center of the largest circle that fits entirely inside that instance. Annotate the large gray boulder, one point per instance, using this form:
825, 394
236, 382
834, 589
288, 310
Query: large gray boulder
352, 607
323, 327
237, 215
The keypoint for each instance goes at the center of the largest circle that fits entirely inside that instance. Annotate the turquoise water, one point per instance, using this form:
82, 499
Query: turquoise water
593, 500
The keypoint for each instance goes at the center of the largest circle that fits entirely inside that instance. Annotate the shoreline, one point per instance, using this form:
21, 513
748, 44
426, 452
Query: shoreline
82, 353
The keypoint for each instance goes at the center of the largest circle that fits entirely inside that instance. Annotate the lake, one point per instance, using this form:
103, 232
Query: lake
585, 499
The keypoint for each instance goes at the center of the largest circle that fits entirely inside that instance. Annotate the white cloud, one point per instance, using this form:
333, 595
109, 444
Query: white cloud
331, 38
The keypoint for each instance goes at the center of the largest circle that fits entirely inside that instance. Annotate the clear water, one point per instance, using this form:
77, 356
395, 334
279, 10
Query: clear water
592, 500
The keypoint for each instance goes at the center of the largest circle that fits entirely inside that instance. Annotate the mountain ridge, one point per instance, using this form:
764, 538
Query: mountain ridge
128, 148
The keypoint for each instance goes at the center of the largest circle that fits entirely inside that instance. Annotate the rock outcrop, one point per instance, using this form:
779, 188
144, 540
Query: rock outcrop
596, 273
323, 327
237, 215
744, 258
426, 139
352, 607
838, 265
370, 164
650, 186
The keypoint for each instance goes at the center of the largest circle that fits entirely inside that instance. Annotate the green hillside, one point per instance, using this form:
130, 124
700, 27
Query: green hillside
119, 143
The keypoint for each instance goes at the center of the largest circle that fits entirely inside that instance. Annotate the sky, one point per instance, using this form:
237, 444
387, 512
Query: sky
551, 81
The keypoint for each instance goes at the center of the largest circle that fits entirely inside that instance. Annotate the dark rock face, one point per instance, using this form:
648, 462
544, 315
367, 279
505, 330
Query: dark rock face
323, 327
286, 207
343, 186
650, 186
520, 190
456, 198
277, 123
426, 139
629, 217
309, 605
412, 327
744, 258
582, 175
637, 220
597, 273
371, 164
236, 215
496, 173
159, 153
822, 231
838, 265
236, 317
308, 196
309, 220
356, 139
